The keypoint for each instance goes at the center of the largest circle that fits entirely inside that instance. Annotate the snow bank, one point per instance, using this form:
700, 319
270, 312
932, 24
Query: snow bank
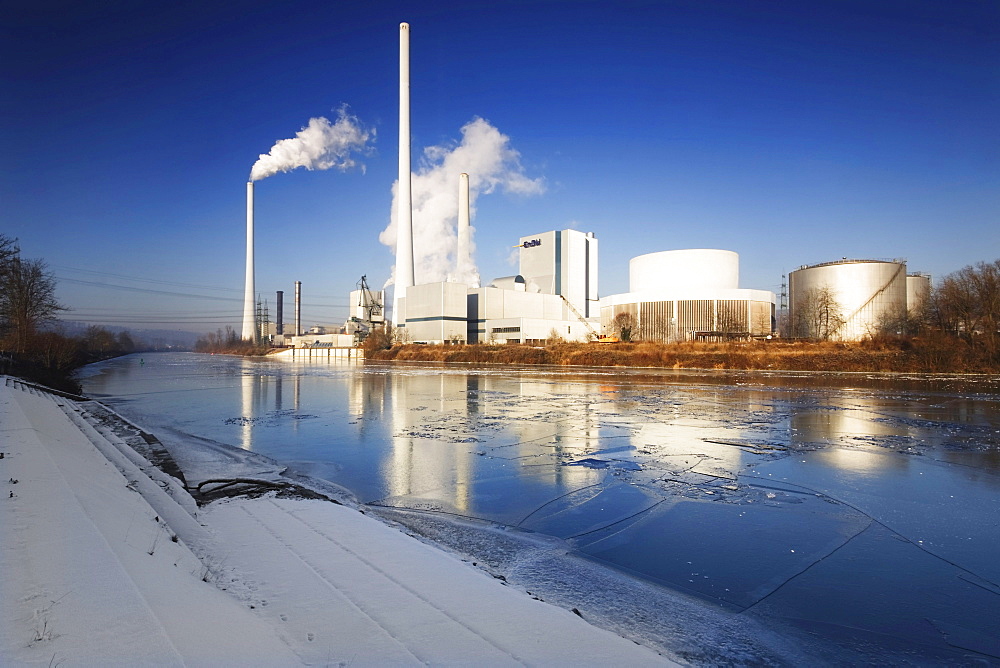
105, 563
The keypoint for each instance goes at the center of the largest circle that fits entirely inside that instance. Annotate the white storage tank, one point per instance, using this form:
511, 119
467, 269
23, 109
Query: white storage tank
918, 289
846, 300
680, 270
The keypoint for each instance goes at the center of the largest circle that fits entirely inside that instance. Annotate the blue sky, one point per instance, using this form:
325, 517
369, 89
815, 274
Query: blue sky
789, 132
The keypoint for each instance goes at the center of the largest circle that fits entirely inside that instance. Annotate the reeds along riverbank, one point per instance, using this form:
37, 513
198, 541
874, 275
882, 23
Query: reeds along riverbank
933, 354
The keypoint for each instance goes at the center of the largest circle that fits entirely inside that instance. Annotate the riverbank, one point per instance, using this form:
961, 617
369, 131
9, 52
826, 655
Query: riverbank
108, 561
909, 355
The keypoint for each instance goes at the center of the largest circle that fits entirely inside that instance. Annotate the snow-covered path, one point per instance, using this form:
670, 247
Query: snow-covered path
90, 575
98, 566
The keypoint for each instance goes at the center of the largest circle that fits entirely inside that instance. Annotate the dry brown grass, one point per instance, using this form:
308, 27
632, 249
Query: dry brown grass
943, 354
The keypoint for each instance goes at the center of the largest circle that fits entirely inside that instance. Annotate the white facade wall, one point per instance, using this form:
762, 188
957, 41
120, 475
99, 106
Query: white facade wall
681, 270
321, 340
436, 312
487, 307
537, 262
693, 310
563, 263
522, 330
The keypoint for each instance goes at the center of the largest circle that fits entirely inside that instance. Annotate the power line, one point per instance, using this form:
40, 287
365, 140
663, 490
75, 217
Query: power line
146, 280
167, 293
129, 288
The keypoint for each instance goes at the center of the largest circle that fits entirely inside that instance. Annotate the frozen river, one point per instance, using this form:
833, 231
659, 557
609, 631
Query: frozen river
859, 512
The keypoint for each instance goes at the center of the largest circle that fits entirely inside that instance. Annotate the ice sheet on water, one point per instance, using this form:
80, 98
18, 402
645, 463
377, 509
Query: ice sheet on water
589, 509
732, 553
546, 568
595, 463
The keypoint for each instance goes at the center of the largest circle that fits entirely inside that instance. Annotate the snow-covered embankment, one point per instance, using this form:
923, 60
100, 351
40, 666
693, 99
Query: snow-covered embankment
106, 560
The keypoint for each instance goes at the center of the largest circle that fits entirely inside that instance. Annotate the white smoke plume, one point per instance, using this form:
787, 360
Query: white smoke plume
485, 154
319, 145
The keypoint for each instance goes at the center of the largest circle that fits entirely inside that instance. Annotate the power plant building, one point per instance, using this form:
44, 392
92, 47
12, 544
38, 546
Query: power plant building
847, 300
682, 295
555, 294
562, 263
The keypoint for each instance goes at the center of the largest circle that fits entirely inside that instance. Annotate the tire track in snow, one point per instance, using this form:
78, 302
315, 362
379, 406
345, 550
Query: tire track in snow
385, 576
351, 600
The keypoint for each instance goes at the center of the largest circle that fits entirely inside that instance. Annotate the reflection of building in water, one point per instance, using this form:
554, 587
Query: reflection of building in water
367, 394
691, 444
854, 427
834, 425
253, 397
425, 455
549, 423
435, 417
850, 459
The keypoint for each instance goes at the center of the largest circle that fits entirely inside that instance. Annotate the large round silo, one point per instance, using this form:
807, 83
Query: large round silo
689, 269
918, 289
845, 300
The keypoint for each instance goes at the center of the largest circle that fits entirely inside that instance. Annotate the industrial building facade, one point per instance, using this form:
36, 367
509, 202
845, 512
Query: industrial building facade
555, 294
682, 295
676, 296
689, 319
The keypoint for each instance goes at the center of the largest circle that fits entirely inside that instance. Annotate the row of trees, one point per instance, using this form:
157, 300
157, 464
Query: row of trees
966, 304
228, 342
31, 343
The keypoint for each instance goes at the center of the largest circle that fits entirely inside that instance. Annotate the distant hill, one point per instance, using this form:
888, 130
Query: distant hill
155, 339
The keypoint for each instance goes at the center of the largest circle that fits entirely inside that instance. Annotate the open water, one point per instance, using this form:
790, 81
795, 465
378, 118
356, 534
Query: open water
860, 508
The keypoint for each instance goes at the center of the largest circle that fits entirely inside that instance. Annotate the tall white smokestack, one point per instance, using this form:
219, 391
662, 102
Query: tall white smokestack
463, 256
298, 308
249, 320
404, 211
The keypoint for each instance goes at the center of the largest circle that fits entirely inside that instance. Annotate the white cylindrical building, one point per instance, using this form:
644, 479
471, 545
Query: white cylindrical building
404, 203
918, 289
846, 300
683, 295
697, 268
249, 315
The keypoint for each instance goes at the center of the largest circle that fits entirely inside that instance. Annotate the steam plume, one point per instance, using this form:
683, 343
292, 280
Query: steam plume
486, 155
319, 145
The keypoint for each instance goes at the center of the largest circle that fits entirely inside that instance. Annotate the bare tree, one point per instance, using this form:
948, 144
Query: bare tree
897, 320
8, 254
624, 325
817, 314
27, 300
8, 251
731, 317
967, 303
